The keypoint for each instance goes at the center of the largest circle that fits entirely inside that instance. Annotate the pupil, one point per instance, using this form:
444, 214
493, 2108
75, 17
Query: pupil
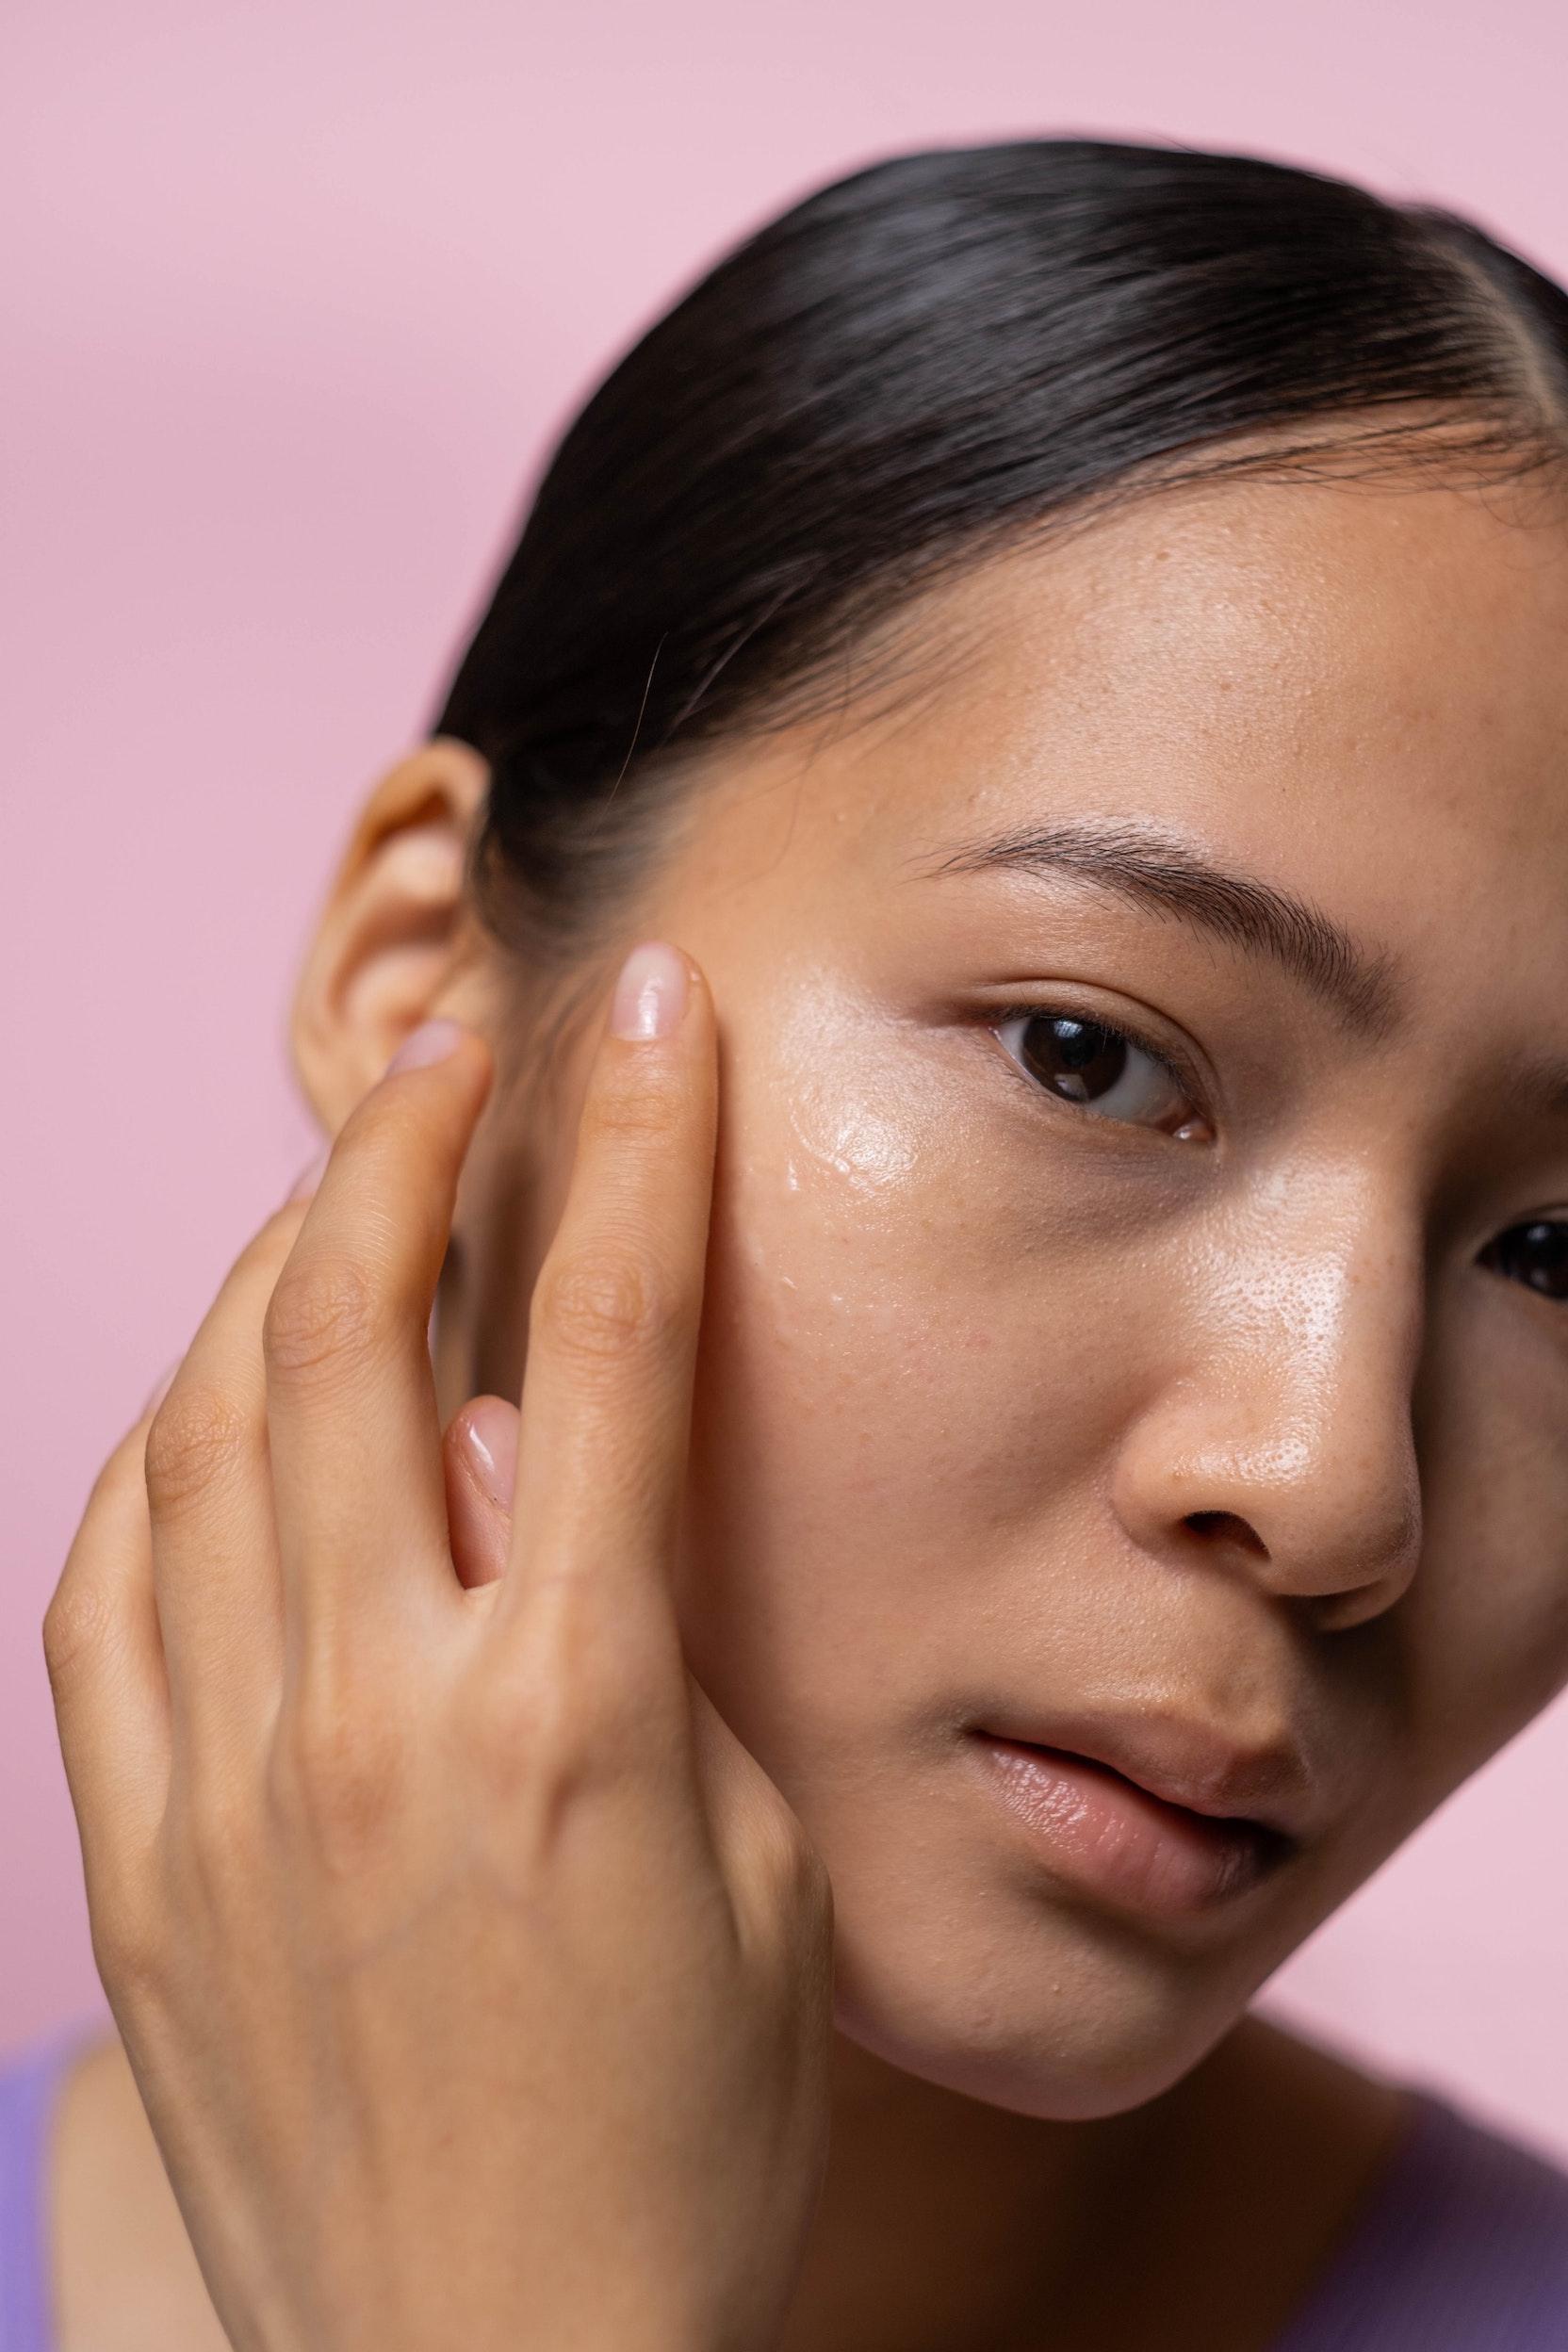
1076, 1059
1536, 1255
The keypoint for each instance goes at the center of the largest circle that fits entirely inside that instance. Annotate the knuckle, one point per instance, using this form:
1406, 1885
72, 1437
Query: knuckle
77, 1626
501, 1724
545, 1735
603, 1305
338, 1778
129, 1915
121, 1476
197, 1438
129, 1949
792, 1872
323, 1314
643, 1106
217, 1827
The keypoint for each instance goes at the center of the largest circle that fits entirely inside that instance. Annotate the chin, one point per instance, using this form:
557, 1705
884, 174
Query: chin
1080, 2018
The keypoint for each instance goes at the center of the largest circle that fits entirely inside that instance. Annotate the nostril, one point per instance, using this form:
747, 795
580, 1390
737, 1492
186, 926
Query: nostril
1227, 1527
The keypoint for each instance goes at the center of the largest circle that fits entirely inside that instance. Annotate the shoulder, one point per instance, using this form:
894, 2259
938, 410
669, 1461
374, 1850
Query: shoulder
93, 2255
1463, 2248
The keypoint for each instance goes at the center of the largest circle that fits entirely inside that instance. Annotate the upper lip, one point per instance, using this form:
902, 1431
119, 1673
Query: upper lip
1185, 1762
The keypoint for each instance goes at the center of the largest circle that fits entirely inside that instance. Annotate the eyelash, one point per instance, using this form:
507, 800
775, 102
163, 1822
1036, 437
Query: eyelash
1182, 1084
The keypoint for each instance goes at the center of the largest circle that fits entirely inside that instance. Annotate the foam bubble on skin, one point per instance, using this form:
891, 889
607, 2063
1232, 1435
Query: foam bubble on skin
838, 1132
855, 1143
836, 1137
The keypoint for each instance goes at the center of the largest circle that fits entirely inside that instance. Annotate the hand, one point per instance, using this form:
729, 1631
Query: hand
475, 1979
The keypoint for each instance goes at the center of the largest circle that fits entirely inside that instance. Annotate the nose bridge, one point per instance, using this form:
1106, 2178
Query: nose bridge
1295, 1408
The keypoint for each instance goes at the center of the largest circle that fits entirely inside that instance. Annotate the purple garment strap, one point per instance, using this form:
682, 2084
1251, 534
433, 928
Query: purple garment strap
1463, 2248
28, 2095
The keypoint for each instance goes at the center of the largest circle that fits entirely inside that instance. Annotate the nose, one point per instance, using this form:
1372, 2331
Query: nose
1279, 1443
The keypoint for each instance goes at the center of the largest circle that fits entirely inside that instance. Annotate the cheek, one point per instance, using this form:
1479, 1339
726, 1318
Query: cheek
910, 1388
1487, 1634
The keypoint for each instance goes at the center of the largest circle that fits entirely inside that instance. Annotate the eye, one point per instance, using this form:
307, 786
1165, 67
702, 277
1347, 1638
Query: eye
1535, 1254
1096, 1067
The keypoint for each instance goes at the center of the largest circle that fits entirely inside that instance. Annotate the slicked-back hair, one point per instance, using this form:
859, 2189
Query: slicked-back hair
926, 360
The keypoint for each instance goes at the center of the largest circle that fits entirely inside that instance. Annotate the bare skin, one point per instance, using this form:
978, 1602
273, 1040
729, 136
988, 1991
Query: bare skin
1193, 2223
1110, 1524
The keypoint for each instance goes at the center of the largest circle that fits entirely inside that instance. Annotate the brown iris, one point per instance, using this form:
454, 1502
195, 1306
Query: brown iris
1535, 1254
1077, 1059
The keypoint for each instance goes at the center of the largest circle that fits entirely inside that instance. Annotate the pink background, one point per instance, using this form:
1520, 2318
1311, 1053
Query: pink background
295, 291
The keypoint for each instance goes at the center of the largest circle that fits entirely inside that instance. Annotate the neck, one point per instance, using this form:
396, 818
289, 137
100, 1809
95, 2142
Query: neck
1198, 2220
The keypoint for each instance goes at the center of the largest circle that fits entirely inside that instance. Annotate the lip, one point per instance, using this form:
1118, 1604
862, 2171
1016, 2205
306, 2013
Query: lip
1165, 1819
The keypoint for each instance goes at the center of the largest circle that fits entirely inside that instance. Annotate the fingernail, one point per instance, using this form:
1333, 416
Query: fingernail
160, 1390
308, 1182
433, 1042
650, 994
489, 1429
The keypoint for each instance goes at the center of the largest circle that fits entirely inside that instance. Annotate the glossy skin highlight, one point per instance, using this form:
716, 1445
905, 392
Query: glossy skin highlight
1223, 1461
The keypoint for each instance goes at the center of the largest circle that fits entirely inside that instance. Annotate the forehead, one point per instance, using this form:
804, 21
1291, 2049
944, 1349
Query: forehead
1359, 692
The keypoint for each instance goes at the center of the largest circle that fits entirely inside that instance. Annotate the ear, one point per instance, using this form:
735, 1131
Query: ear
395, 941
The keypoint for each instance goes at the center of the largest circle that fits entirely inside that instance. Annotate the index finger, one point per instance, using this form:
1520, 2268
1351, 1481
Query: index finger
612, 1335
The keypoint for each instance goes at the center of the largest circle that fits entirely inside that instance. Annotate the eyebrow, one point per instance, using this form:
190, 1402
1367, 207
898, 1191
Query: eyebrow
1543, 1088
1166, 876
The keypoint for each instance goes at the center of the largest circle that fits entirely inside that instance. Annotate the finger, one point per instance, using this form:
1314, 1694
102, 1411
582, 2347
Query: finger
214, 1561
106, 1669
354, 1438
480, 1457
775, 1879
613, 1334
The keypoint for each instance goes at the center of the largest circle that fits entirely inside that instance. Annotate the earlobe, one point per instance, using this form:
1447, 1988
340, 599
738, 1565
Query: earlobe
393, 940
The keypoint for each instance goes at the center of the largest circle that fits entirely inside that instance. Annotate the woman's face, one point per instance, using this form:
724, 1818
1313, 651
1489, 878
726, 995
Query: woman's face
1127, 1494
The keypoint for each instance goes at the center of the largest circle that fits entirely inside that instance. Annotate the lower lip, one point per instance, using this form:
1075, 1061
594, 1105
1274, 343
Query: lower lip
1111, 1839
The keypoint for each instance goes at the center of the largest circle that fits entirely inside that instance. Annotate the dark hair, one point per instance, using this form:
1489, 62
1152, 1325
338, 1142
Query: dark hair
935, 353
